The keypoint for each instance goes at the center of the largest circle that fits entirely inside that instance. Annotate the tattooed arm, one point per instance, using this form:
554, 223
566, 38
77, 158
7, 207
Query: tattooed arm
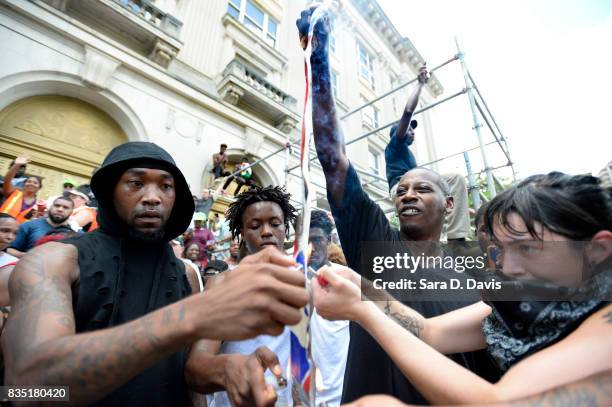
328, 137
453, 332
583, 353
595, 391
41, 346
456, 331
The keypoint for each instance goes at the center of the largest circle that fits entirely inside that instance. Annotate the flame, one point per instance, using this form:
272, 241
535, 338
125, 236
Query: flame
308, 252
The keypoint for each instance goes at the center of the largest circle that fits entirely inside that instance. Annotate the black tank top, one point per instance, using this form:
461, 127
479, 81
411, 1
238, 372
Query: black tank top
115, 275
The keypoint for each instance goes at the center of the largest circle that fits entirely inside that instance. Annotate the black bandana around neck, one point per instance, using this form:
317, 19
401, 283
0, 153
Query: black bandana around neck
541, 314
517, 329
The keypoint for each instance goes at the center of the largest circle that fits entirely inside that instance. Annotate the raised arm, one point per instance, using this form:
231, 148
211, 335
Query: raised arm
8, 187
328, 137
411, 104
41, 346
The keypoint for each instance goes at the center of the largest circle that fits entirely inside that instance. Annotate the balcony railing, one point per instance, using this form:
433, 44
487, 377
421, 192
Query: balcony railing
241, 85
266, 87
153, 15
137, 24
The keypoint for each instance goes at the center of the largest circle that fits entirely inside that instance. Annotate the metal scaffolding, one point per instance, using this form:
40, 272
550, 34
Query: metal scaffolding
478, 108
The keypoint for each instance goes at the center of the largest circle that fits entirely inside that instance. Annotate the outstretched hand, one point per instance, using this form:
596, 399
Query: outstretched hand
340, 298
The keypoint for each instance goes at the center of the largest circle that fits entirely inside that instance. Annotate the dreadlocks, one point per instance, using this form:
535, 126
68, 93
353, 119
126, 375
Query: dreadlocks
275, 194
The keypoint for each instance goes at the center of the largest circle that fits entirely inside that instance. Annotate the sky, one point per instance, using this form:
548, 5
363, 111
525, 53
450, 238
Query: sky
544, 68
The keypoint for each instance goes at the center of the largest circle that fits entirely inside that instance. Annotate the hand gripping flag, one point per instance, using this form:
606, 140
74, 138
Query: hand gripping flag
303, 369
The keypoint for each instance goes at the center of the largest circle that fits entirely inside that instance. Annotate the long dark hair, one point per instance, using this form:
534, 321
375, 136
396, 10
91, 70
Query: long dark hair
576, 207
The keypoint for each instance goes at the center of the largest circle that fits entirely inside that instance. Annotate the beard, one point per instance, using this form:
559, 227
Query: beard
155, 236
58, 219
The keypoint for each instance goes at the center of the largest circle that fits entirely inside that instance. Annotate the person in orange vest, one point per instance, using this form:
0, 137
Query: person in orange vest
20, 203
83, 215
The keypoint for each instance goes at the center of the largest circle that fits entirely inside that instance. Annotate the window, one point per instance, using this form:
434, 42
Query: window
369, 114
271, 35
334, 84
366, 66
394, 84
233, 8
249, 14
374, 160
254, 17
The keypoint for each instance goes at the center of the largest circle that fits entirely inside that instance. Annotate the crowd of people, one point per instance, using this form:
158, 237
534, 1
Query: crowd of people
73, 211
132, 291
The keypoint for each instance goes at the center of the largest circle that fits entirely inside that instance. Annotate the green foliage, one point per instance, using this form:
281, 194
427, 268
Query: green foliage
394, 221
502, 183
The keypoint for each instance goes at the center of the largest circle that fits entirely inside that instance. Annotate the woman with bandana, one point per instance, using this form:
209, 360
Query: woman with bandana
554, 234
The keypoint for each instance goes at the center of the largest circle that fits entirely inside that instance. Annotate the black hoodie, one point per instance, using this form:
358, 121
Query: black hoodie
122, 279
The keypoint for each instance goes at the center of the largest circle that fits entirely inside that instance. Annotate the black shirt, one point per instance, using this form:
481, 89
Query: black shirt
368, 369
121, 280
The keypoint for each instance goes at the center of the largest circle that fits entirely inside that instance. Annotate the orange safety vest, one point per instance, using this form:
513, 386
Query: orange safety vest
13, 204
94, 223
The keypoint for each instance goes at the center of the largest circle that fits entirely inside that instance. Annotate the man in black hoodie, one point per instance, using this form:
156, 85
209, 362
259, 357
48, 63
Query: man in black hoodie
110, 314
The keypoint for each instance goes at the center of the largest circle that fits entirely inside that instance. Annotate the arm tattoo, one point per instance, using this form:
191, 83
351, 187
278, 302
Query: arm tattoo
608, 317
591, 392
41, 346
408, 322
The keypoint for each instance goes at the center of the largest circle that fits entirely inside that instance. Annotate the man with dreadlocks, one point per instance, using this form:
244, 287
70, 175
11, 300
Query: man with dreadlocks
260, 218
